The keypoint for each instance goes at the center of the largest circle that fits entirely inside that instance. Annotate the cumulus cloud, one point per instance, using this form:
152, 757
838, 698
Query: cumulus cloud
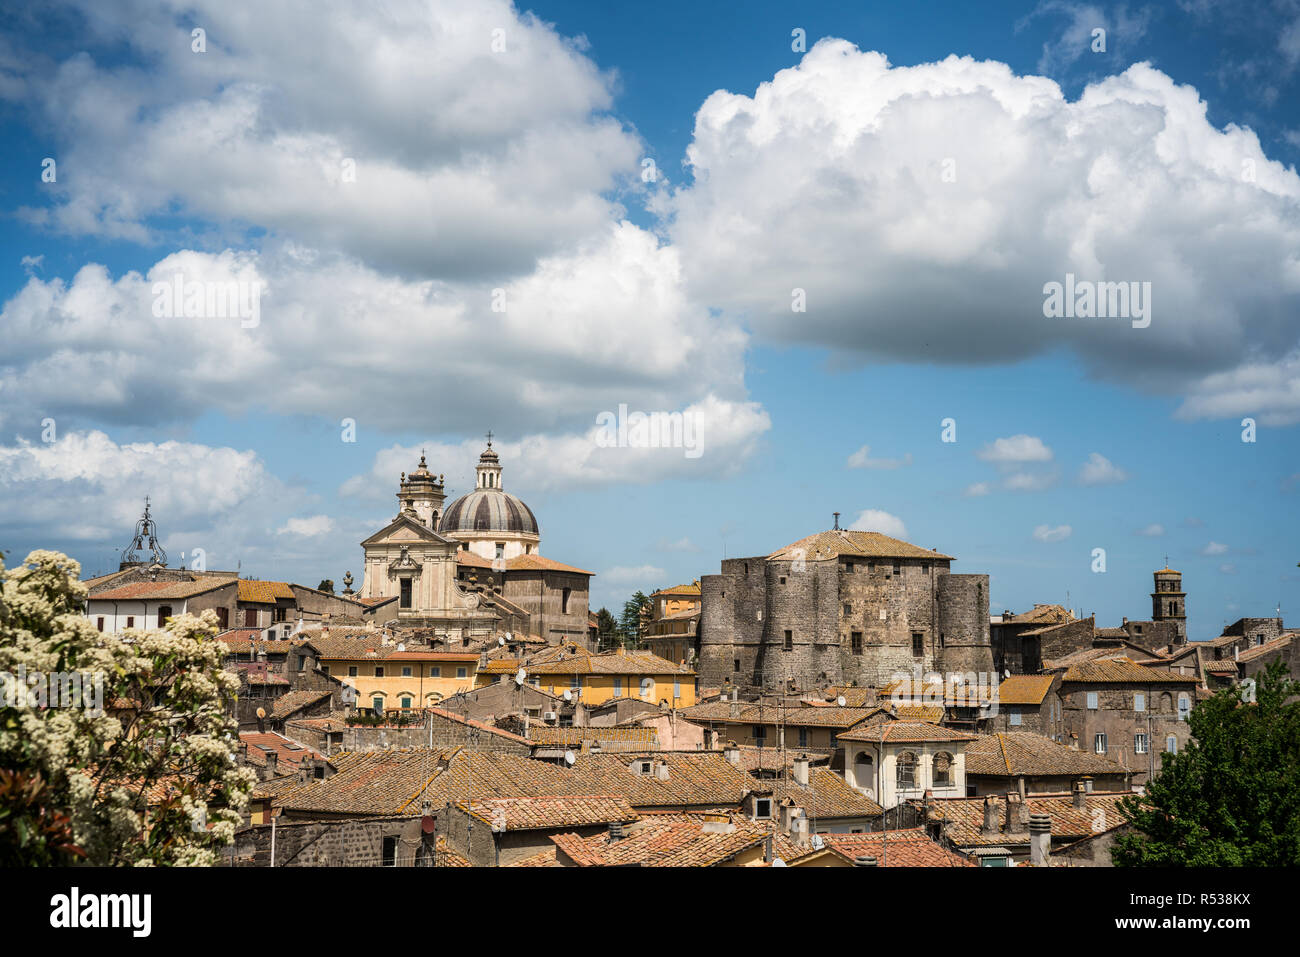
1049, 534
1121, 31
1214, 548
1015, 449
1099, 470
874, 520
1154, 530
977, 490
935, 201
311, 527
641, 576
861, 459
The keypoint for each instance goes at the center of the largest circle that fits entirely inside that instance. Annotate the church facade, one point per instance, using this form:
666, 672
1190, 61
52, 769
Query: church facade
472, 568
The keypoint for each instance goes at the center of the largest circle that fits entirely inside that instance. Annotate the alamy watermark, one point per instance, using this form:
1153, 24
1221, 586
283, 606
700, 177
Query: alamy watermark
650, 430
208, 299
1086, 299
961, 689
62, 689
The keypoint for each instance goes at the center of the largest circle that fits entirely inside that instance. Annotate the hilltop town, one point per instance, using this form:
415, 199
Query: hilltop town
844, 700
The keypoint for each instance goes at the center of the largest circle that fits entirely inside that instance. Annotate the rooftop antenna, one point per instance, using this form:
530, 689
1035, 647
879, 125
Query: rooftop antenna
837, 521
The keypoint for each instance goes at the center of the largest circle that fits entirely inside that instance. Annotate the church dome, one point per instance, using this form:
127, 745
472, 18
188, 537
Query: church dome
488, 510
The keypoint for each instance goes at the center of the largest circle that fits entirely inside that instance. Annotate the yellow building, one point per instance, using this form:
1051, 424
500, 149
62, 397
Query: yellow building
595, 679
392, 680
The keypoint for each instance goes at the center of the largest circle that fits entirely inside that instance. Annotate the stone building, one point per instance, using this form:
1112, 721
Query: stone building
841, 607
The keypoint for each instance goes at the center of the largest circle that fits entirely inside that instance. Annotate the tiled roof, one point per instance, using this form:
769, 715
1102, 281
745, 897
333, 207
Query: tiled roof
666, 840
544, 858
604, 737
446, 857
753, 758
905, 732
695, 779
828, 796
471, 723
528, 563
853, 697
1043, 615
1024, 689
825, 545
964, 817
156, 591
534, 813
1226, 667
1020, 752
289, 753
1121, 670
356, 646
795, 717
583, 662
931, 714
292, 702
691, 589
260, 592
1267, 648
905, 848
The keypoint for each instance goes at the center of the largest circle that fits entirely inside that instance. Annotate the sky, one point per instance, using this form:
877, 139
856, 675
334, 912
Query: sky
826, 237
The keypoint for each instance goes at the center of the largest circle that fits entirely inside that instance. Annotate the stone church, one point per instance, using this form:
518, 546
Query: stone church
841, 607
473, 568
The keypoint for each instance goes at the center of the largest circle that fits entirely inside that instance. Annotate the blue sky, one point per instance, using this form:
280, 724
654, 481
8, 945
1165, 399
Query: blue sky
520, 169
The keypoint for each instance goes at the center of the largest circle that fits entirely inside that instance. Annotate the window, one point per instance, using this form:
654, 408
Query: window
462, 672
1184, 705
352, 671
1171, 744
941, 641
130, 621
646, 767
1092, 701
280, 613
564, 601
302, 663
406, 593
377, 702
1166, 702
406, 671
618, 687
501, 549
223, 618
250, 617
100, 623
379, 671
789, 640
1139, 702
1013, 718
782, 579
164, 612
435, 671
855, 639
848, 567
1099, 743
647, 688
735, 664
677, 688
918, 644
763, 808
943, 770
1138, 629
575, 682
803, 737
760, 733
325, 670
848, 608
390, 852
406, 704
898, 569
1140, 743
906, 765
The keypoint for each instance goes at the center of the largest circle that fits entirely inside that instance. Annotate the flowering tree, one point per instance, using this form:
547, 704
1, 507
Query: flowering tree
141, 770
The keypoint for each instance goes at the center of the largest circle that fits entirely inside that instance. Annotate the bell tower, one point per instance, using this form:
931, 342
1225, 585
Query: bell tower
423, 492
488, 468
1168, 601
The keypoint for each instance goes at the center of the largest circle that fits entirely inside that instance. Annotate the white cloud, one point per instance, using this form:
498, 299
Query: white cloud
1154, 530
1214, 548
644, 577
1029, 481
681, 545
874, 520
977, 490
1227, 568
312, 527
1128, 183
861, 459
1048, 534
1015, 449
1122, 31
1099, 470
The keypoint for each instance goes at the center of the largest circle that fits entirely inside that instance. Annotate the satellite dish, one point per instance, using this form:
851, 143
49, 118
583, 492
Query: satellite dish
1006, 673
569, 758
401, 646
510, 636
777, 862
841, 701
501, 639
261, 712
519, 676
568, 695
817, 842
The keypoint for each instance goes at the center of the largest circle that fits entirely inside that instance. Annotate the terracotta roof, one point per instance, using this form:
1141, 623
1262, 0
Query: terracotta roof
604, 737
375, 600
901, 732
691, 589
1227, 666
288, 753
446, 857
1121, 670
905, 848
583, 662
471, 723
544, 858
853, 697
753, 758
827, 796
795, 717
527, 563
1016, 753
906, 691
1267, 648
666, 840
695, 778
265, 593
827, 545
964, 817
1025, 689
1043, 614
535, 813
156, 591
292, 702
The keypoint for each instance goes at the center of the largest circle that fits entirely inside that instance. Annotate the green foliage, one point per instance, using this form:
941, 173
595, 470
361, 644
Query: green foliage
1231, 798
629, 623
141, 770
606, 628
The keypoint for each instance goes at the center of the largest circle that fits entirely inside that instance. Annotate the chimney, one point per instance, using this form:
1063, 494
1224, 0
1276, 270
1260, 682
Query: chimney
661, 771
990, 827
735, 694
801, 770
616, 832
1040, 839
1080, 795
732, 753
272, 762
1124, 621
865, 860
1017, 813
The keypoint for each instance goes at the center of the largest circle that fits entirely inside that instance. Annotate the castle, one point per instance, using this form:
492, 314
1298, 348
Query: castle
841, 607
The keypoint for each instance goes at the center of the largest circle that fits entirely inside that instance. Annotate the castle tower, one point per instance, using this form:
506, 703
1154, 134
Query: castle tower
422, 492
1168, 600
488, 468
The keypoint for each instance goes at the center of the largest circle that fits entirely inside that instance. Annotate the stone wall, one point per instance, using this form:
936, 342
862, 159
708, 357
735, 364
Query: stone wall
339, 843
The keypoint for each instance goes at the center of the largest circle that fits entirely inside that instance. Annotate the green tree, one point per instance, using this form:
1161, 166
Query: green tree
1231, 798
629, 623
139, 766
606, 628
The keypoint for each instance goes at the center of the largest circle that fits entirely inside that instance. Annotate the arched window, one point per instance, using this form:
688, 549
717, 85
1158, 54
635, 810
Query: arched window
864, 769
1166, 701
907, 770
943, 770
647, 688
